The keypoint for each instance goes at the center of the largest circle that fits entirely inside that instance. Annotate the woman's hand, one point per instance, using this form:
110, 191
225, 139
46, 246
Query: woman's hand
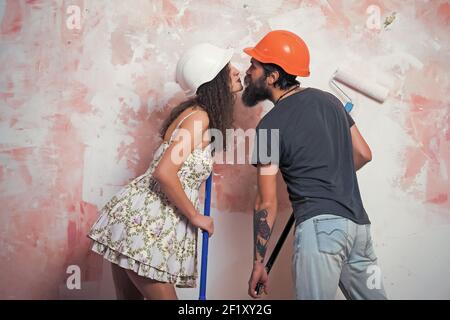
203, 222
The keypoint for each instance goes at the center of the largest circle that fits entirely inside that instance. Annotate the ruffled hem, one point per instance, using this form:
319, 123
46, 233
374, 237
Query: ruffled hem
142, 269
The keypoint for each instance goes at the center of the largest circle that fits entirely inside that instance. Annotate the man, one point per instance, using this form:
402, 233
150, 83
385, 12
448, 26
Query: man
317, 147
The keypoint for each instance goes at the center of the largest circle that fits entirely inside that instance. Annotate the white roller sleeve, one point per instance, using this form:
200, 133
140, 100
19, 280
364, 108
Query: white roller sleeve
373, 90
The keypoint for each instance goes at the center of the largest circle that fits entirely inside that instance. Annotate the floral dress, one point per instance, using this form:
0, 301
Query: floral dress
140, 230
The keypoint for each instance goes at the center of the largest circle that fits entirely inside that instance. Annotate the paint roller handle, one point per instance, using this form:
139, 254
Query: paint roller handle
259, 287
348, 106
204, 221
204, 263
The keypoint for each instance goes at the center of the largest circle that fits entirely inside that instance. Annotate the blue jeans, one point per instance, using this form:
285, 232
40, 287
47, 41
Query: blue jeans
332, 251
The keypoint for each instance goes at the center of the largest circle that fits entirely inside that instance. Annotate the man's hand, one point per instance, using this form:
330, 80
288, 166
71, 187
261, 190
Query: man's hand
259, 274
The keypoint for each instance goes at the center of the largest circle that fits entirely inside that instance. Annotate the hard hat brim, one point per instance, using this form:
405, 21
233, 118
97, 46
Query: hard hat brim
265, 59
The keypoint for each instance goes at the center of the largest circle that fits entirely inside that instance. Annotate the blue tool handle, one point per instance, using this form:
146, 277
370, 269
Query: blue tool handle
205, 239
348, 106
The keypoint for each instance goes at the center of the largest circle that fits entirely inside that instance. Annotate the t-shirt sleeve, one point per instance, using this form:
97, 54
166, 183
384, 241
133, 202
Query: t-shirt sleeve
350, 120
266, 146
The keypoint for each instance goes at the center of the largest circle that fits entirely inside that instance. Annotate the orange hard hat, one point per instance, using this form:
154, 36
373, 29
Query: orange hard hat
284, 49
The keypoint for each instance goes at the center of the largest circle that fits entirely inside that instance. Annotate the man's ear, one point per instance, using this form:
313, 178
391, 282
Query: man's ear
273, 77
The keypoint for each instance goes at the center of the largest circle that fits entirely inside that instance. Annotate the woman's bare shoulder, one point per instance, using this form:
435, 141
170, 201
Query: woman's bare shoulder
196, 113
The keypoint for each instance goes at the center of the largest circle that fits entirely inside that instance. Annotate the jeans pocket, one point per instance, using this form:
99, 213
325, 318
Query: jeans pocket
331, 234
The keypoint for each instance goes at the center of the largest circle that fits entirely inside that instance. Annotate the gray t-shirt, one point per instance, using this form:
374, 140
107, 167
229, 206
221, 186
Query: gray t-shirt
313, 148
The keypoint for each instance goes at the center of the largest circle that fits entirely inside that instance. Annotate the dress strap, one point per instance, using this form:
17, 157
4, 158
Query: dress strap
179, 124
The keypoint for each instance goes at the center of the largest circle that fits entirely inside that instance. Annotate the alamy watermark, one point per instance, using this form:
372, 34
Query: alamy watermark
73, 281
374, 280
263, 146
73, 21
373, 21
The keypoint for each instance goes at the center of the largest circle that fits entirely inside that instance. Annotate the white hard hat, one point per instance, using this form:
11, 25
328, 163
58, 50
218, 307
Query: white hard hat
200, 64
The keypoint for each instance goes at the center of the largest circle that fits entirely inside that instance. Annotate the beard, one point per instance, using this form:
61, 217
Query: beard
255, 92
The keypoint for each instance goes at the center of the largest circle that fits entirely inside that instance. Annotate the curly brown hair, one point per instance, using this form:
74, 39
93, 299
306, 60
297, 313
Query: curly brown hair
216, 98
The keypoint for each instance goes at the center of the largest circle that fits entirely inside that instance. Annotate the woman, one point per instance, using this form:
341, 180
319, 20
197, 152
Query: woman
148, 230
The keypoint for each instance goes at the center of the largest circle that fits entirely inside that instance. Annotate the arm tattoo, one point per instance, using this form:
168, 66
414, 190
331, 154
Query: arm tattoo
261, 234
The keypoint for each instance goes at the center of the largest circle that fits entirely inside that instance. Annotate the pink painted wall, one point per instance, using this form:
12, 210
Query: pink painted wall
80, 109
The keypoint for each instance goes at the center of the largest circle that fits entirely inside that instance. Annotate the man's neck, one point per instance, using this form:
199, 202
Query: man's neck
279, 94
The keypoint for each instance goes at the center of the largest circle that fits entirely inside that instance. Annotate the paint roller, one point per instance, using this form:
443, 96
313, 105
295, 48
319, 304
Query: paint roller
372, 90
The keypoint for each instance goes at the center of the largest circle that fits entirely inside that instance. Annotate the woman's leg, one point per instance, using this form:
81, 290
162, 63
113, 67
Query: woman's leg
125, 289
151, 289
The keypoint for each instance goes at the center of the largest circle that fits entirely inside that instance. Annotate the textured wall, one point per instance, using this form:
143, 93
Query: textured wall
81, 102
